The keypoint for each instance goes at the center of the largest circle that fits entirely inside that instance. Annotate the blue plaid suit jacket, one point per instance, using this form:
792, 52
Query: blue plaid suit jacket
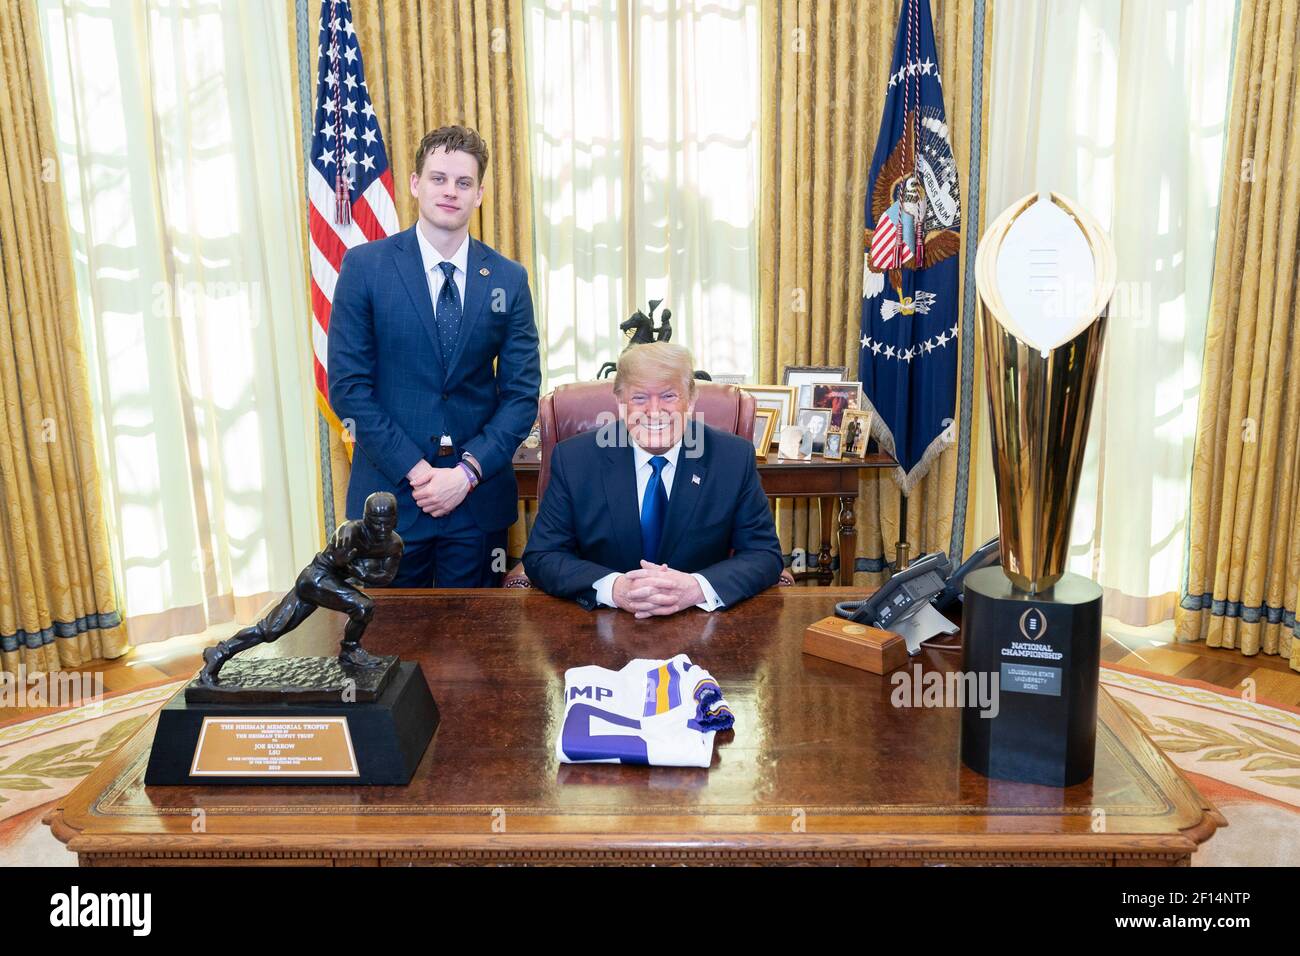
387, 379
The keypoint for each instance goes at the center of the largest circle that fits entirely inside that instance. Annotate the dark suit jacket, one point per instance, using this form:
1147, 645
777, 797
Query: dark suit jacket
386, 375
588, 523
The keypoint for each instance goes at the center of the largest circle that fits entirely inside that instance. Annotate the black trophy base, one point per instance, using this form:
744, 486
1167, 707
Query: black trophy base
388, 735
1045, 649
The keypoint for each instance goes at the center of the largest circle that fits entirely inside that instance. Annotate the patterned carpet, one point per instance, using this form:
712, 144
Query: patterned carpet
43, 758
1243, 755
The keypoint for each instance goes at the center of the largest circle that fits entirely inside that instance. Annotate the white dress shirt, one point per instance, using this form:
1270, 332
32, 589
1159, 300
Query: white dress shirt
433, 272
644, 470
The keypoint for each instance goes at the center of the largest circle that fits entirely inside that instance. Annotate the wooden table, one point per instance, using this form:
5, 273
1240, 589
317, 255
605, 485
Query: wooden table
820, 768
824, 480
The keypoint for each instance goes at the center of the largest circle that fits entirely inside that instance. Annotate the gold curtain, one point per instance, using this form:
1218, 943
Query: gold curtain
429, 65
1244, 536
58, 608
826, 63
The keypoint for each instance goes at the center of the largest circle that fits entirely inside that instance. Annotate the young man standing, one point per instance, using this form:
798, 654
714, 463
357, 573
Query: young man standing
434, 366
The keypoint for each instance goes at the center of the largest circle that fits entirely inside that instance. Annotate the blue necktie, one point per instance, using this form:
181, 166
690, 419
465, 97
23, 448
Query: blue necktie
654, 509
448, 312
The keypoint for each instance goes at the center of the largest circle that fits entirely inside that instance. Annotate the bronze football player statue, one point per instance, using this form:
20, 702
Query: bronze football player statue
361, 553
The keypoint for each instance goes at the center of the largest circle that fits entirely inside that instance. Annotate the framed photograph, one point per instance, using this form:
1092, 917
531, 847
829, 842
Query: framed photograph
779, 397
764, 430
838, 397
857, 432
815, 422
804, 377
834, 449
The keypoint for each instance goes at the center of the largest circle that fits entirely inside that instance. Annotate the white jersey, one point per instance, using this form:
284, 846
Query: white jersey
662, 713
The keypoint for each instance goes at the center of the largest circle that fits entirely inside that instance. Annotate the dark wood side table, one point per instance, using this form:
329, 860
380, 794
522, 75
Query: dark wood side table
827, 481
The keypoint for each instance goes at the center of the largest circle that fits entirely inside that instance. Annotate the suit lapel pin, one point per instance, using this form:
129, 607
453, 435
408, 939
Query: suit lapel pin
695, 479
483, 271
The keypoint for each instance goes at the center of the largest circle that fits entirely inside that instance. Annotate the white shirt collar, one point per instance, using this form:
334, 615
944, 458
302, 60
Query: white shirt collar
431, 256
642, 457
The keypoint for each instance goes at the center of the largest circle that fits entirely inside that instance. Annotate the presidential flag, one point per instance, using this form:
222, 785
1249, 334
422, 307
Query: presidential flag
349, 184
908, 357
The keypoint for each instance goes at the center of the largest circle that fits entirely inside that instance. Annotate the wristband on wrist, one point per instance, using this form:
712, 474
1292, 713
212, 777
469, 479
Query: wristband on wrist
467, 460
469, 473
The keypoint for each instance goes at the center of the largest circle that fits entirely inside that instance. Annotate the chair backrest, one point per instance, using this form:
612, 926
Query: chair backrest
573, 409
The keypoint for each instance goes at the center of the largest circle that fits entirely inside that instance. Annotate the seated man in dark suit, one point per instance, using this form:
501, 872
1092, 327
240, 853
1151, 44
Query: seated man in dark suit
654, 512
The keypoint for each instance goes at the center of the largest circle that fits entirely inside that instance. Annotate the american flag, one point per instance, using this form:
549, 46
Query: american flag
349, 184
888, 250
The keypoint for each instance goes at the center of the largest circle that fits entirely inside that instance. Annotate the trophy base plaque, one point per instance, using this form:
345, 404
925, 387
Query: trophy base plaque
288, 740
1045, 649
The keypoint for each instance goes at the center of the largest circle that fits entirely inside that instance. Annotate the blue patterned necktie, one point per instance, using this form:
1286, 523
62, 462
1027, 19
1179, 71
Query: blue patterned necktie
654, 508
448, 311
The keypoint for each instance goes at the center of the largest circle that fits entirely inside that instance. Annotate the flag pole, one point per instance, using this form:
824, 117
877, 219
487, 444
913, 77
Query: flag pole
902, 553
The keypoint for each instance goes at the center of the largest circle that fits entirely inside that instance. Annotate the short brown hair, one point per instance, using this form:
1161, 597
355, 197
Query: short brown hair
453, 139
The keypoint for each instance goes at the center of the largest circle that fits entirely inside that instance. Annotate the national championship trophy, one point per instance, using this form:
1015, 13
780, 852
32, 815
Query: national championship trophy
1045, 274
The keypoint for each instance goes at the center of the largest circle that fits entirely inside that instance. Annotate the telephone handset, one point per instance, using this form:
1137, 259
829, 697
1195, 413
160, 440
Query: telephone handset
902, 604
985, 555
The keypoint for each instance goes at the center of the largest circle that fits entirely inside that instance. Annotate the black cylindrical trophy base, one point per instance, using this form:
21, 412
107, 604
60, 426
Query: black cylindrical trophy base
1045, 650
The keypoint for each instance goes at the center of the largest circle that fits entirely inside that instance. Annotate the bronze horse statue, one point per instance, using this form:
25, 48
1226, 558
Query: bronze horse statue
640, 329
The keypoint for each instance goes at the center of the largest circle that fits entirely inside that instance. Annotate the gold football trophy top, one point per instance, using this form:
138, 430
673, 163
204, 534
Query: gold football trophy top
1045, 274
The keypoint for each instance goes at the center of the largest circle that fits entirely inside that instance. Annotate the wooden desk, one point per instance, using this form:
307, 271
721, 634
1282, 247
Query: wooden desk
820, 768
821, 479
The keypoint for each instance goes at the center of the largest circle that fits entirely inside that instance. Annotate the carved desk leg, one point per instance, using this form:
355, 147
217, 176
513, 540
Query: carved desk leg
848, 540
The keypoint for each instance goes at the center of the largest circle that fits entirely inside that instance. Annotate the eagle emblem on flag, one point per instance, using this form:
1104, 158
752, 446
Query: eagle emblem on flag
912, 230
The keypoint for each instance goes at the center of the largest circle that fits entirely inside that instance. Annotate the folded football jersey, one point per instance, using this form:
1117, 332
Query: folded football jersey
662, 713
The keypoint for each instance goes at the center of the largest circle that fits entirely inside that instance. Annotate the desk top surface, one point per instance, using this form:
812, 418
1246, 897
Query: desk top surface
816, 745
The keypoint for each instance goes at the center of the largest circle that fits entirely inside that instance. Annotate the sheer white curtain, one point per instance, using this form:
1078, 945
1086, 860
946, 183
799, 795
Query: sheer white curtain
644, 117
1121, 105
176, 130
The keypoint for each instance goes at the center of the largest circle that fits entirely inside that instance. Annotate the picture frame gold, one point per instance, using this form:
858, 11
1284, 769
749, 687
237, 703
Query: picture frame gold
781, 397
855, 445
833, 446
764, 430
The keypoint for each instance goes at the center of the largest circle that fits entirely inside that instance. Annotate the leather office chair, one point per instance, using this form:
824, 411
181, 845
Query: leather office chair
573, 409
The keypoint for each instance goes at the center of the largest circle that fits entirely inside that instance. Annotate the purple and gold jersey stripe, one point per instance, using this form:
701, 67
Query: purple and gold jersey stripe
663, 690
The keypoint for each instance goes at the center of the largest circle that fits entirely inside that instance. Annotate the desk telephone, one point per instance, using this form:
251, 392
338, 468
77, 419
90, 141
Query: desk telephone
909, 603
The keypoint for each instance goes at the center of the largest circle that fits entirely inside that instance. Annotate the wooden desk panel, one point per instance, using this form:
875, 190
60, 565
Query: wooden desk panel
821, 767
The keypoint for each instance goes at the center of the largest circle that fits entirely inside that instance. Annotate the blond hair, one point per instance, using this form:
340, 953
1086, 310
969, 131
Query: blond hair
655, 362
